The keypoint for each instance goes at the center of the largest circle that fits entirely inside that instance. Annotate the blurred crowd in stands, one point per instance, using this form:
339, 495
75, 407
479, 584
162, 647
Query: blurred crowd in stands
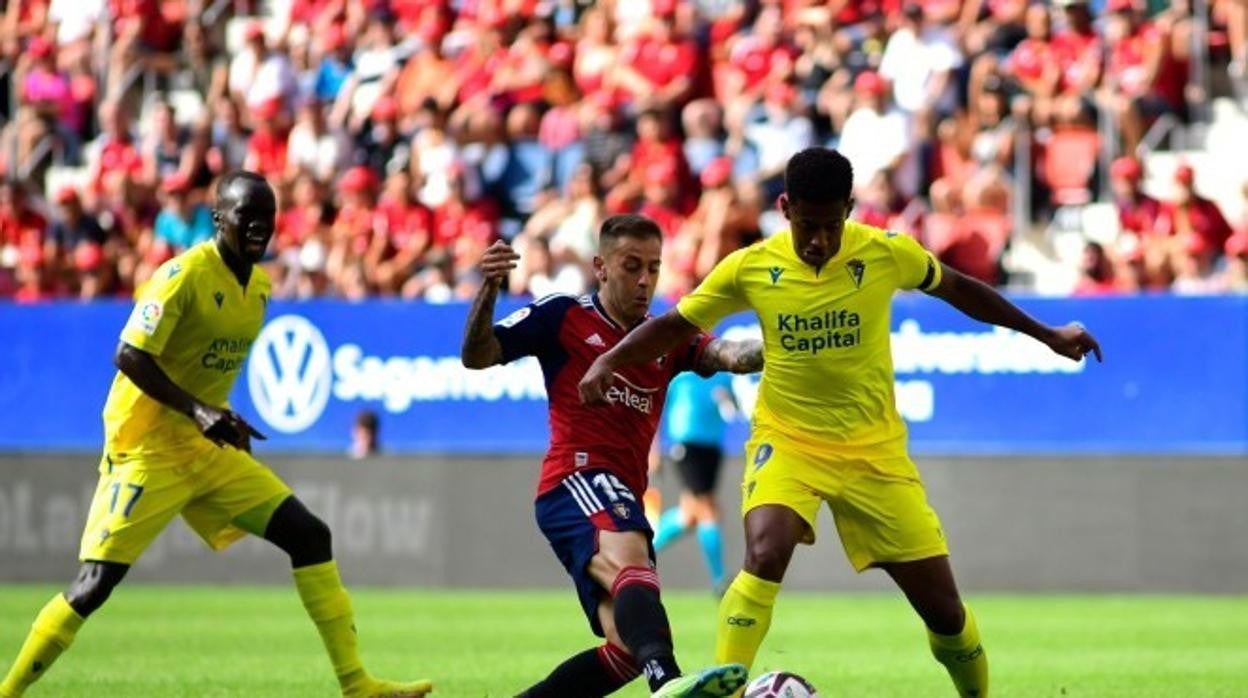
404, 136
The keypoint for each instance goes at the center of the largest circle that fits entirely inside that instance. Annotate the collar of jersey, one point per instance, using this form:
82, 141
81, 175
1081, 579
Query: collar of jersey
602, 312
784, 246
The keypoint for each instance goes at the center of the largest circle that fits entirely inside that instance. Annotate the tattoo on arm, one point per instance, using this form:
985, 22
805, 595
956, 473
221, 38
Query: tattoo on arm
481, 348
737, 357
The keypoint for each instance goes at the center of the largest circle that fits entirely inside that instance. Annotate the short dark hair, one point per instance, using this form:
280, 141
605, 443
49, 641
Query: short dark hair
819, 175
627, 225
227, 180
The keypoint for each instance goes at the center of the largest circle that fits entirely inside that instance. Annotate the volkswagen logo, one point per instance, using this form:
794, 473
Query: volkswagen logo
289, 374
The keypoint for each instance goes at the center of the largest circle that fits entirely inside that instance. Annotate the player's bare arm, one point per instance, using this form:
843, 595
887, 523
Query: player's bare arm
982, 302
219, 425
481, 348
744, 356
650, 340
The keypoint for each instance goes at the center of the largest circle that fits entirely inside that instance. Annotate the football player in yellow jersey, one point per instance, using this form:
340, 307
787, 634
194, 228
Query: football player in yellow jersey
826, 427
173, 446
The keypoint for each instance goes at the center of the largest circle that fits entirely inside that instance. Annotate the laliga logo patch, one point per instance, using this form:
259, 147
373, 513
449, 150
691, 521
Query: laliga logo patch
761, 455
289, 374
512, 320
146, 316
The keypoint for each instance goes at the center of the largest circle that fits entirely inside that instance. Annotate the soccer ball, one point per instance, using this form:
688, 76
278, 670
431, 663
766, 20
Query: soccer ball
780, 684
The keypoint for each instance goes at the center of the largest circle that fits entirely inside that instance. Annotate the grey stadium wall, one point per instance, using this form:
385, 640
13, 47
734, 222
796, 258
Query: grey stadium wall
1014, 524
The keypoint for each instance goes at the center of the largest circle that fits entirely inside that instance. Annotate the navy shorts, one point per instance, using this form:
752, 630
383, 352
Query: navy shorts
572, 514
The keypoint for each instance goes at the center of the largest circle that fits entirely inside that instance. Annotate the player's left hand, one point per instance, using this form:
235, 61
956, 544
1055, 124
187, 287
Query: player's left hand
1074, 342
597, 381
245, 431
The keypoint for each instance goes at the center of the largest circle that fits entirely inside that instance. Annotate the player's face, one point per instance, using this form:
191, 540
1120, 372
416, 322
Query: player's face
817, 227
246, 215
627, 275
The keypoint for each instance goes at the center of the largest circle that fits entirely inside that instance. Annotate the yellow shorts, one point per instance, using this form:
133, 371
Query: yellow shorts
136, 499
879, 505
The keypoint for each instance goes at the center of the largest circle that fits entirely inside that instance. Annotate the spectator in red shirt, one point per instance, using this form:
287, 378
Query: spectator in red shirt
1034, 65
1192, 222
116, 157
463, 228
659, 68
1137, 212
151, 29
352, 231
656, 147
266, 151
518, 78
303, 217
659, 203
723, 221
1140, 53
758, 59
22, 19
1078, 52
402, 234
596, 55
1096, 273
20, 226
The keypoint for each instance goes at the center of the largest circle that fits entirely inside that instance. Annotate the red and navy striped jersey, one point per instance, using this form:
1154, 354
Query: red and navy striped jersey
566, 333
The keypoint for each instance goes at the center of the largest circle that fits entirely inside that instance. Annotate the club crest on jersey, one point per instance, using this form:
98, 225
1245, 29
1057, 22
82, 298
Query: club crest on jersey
775, 274
621, 509
857, 269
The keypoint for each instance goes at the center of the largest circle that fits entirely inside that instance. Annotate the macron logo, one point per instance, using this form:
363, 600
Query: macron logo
594, 340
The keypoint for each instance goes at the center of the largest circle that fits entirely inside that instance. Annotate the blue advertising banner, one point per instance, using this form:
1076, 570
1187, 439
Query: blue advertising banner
1175, 379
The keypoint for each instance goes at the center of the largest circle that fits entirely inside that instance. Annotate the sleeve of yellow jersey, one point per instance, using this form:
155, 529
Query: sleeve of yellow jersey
158, 308
917, 267
718, 296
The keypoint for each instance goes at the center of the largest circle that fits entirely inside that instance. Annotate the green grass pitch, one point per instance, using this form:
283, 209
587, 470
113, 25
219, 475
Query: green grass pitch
256, 642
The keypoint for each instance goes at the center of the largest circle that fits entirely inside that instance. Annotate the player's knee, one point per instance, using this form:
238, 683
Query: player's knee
315, 540
767, 557
945, 615
300, 534
93, 585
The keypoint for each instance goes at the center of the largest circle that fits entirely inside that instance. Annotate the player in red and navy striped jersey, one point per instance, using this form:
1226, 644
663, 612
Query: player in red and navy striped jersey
587, 498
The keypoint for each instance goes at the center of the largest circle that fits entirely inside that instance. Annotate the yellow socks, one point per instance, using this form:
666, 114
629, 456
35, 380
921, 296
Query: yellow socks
50, 635
329, 607
964, 657
744, 616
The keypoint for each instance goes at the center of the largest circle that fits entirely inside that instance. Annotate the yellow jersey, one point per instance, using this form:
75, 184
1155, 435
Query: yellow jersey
828, 367
199, 322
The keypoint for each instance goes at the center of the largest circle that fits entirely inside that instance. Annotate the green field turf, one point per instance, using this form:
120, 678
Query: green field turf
256, 642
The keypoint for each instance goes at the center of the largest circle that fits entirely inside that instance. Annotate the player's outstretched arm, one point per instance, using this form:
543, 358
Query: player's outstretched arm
218, 425
650, 340
745, 356
982, 302
481, 349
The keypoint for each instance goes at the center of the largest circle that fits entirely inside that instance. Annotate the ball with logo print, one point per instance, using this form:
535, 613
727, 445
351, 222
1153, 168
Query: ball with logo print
780, 684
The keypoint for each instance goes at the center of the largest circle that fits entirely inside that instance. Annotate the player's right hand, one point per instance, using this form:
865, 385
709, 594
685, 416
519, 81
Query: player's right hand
497, 262
596, 383
224, 427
